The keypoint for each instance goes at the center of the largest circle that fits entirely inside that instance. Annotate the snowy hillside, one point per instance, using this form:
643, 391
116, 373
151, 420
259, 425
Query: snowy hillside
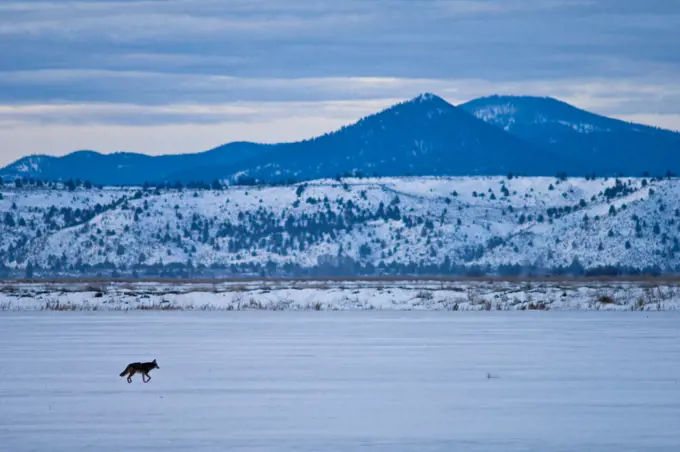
355, 226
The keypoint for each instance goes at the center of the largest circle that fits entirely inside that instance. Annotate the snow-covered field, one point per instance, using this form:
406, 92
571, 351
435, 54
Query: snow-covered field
341, 381
342, 295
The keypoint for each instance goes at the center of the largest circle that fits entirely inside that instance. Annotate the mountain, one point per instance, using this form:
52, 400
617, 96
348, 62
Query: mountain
596, 144
417, 225
126, 168
423, 136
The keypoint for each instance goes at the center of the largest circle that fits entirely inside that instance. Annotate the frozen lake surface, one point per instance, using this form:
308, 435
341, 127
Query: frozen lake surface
341, 381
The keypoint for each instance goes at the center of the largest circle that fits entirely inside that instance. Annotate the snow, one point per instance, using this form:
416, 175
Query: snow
341, 296
27, 165
580, 128
378, 381
425, 97
478, 203
506, 114
497, 113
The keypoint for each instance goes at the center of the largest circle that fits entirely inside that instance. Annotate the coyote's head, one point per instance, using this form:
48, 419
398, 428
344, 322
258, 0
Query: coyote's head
155, 364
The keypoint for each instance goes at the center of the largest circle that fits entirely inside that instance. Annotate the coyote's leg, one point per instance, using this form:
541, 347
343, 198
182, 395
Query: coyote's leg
129, 378
148, 378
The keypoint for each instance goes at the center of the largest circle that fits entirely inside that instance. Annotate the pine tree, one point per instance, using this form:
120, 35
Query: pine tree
9, 220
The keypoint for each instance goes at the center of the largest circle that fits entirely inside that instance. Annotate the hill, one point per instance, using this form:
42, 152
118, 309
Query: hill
125, 168
418, 225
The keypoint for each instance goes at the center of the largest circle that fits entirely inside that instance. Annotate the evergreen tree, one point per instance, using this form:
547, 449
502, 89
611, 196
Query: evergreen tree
9, 220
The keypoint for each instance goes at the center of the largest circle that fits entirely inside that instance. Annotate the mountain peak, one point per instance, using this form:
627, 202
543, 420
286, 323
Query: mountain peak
87, 153
427, 98
511, 111
596, 143
524, 102
501, 97
422, 105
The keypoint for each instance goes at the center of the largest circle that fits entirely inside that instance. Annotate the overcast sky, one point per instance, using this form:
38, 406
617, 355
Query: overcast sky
185, 75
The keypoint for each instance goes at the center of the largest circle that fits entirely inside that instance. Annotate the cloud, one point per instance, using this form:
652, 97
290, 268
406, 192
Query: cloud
86, 115
665, 121
204, 66
489, 39
154, 139
141, 97
155, 88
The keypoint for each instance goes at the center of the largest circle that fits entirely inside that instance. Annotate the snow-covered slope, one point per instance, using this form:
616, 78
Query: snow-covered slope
388, 225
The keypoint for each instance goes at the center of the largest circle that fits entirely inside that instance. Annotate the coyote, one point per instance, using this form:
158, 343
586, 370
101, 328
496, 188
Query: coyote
143, 368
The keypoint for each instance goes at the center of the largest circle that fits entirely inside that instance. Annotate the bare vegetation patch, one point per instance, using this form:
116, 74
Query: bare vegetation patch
159, 307
296, 295
606, 299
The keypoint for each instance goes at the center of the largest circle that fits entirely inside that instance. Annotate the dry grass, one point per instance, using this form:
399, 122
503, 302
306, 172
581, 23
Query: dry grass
247, 296
606, 299
56, 306
159, 307
425, 295
643, 279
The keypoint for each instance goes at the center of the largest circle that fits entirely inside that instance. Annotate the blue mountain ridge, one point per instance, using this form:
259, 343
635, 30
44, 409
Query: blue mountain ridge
423, 136
426, 135
125, 168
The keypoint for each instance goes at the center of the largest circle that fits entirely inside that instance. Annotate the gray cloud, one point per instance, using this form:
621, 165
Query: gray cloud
132, 63
211, 92
487, 39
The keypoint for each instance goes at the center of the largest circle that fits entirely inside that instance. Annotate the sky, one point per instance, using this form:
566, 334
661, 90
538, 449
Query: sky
177, 76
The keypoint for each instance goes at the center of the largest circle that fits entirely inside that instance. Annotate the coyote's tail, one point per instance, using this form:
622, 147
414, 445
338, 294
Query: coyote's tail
124, 372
